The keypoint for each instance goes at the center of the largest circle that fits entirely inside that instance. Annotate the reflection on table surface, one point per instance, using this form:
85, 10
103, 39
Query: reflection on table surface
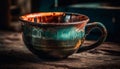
14, 54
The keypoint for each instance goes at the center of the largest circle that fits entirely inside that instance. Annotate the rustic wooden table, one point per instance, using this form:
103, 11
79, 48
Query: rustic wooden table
14, 55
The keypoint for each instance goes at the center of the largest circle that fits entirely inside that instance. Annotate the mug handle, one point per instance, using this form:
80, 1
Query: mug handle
89, 28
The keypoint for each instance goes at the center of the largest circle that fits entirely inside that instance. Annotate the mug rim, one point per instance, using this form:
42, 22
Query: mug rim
43, 23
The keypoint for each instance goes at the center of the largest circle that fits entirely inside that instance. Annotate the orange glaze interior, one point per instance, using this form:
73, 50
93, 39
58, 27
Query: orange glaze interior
42, 17
53, 17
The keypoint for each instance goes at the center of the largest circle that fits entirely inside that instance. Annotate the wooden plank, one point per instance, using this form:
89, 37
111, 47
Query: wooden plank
14, 54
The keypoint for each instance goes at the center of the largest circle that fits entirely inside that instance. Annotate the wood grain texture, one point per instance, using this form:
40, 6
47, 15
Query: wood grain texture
14, 55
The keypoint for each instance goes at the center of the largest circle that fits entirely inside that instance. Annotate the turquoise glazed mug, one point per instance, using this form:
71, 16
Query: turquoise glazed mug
57, 35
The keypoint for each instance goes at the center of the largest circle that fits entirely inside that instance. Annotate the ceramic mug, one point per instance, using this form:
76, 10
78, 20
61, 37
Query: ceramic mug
57, 35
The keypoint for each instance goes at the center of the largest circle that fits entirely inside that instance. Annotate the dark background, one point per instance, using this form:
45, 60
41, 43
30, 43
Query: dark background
105, 11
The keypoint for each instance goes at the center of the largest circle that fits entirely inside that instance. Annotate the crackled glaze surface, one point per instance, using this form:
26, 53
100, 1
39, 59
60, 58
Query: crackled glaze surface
58, 41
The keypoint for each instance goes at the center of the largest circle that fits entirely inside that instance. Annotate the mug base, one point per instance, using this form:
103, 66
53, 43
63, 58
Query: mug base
50, 56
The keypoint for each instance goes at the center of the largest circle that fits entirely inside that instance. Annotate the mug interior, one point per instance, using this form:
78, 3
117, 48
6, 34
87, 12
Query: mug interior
54, 17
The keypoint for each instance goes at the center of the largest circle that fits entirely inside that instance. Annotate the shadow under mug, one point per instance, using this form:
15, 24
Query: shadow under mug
57, 35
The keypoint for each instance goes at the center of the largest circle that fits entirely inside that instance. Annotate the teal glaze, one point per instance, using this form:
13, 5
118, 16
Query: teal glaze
58, 33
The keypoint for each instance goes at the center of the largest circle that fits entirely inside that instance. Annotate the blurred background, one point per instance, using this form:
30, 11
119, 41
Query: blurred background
105, 11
